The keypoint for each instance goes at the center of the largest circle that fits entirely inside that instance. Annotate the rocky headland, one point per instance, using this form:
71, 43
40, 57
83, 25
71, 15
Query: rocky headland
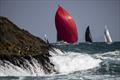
17, 44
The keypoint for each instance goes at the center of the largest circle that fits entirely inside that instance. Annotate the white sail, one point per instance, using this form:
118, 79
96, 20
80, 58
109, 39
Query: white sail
107, 36
46, 39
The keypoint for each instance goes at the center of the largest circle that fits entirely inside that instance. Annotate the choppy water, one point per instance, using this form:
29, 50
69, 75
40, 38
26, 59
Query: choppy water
97, 61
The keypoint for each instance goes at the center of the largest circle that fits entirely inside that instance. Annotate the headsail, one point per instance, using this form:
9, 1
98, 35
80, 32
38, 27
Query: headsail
107, 36
88, 37
65, 26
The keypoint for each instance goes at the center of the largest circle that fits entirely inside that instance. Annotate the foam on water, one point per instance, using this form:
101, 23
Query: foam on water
69, 62
112, 57
65, 63
8, 69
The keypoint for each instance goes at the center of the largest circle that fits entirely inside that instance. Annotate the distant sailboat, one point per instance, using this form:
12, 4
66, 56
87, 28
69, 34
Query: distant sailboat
65, 26
88, 37
107, 36
46, 39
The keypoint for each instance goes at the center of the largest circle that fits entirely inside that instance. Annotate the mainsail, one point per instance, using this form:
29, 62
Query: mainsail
107, 36
65, 26
88, 37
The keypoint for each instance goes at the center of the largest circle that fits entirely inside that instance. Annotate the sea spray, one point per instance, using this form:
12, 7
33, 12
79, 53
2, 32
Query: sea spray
64, 63
30, 68
69, 62
107, 69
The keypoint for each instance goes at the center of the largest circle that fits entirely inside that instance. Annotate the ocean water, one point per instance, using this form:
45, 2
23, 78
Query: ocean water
96, 61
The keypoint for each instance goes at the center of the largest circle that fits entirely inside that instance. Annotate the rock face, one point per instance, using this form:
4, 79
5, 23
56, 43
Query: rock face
16, 43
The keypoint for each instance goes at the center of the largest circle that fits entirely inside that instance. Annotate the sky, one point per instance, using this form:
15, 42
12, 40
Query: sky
38, 16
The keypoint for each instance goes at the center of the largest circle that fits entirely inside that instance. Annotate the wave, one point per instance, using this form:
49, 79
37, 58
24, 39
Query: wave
110, 62
9, 69
68, 62
64, 63
113, 56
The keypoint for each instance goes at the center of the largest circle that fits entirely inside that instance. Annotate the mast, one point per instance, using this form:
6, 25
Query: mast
88, 37
65, 26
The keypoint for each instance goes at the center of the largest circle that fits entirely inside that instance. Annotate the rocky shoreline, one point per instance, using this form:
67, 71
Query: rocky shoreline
17, 44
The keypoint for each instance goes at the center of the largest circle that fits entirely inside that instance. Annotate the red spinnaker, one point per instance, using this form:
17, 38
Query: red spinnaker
65, 26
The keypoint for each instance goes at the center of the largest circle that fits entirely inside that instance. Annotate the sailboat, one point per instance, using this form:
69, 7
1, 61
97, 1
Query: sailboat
88, 37
107, 36
65, 26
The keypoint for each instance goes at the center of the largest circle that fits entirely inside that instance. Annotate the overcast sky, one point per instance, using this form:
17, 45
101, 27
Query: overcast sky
38, 16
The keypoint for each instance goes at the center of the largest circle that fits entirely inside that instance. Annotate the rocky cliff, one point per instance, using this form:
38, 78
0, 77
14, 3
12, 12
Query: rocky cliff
17, 44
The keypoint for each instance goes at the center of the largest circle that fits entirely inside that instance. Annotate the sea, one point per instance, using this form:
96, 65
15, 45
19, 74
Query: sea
83, 61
